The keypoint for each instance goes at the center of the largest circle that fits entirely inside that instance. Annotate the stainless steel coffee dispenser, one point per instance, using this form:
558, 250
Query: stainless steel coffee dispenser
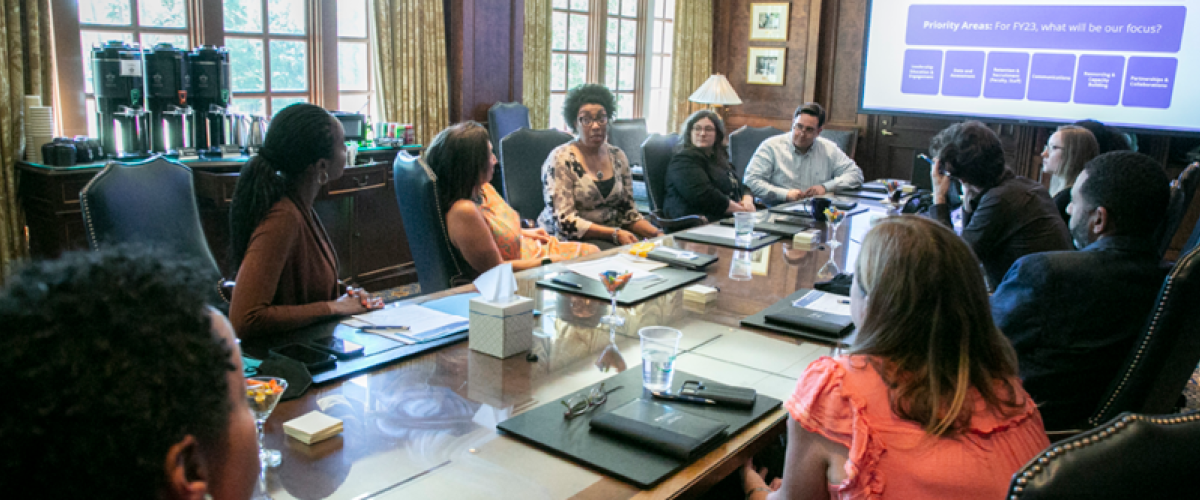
209, 94
121, 117
168, 78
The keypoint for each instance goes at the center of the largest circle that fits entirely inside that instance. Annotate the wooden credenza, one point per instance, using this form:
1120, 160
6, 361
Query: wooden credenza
359, 210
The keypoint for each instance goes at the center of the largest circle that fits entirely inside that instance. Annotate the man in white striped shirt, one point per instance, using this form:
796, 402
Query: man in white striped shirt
800, 163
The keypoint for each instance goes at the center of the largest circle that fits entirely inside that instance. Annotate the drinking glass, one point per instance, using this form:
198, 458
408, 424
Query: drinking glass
741, 266
614, 282
743, 227
660, 346
262, 394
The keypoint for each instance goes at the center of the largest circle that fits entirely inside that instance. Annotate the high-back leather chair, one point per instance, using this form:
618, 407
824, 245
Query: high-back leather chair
425, 226
1130, 456
504, 118
743, 142
629, 134
1165, 354
846, 140
152, 203
525, 151
1192, 240
1183, 191
657, 151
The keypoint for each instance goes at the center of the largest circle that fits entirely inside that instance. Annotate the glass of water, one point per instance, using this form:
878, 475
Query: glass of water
660, 345
743, 227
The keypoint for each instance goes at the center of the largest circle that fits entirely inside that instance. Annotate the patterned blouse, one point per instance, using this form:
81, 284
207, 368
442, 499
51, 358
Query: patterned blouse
573, 201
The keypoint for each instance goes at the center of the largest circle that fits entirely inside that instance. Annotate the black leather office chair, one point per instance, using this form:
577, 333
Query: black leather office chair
421, 212
1183, 191
1167, 352
657, 150
743, 142
504, 118
525, 151
846, 140
1130, 456
151, 202
1192, 240
629, 135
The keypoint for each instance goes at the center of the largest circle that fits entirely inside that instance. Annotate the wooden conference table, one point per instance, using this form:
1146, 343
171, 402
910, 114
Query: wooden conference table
425, 427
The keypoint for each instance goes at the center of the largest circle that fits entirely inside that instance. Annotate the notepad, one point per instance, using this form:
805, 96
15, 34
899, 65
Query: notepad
641, 268
424, 324
313, 427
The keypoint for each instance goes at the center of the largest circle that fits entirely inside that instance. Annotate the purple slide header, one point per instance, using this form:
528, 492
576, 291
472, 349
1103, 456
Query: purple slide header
1126, 29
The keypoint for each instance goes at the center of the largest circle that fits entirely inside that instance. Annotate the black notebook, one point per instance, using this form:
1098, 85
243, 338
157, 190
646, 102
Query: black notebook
683, 259
790, 316
662, 428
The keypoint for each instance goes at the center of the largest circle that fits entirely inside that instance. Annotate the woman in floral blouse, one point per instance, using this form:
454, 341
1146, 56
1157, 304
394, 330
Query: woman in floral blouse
588, 187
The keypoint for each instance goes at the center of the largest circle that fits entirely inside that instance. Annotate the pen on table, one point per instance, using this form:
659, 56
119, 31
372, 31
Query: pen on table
568, 284
680, 397
843, 301
656, 283
390, 336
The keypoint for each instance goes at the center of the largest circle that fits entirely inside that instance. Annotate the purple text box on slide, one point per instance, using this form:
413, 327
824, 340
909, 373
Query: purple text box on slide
1006, 75
1098, 79
963, 76
1051, 77
922, 72
1117, 28
1149, 82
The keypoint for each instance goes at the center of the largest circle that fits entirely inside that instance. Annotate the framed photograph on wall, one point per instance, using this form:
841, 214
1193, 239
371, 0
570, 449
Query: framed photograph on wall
769, 21
766, 65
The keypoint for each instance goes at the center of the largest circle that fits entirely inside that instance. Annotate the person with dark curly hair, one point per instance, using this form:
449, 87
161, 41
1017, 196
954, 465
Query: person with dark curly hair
1067, 150
484, 230
587, 184
1004, 216
120, 382
700, 180
1073, 317
287, 275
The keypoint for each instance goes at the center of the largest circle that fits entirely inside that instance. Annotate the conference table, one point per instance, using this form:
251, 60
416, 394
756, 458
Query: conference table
425, 427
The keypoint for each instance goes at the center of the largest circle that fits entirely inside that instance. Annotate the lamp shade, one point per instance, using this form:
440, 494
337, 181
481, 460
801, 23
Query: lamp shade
716, 90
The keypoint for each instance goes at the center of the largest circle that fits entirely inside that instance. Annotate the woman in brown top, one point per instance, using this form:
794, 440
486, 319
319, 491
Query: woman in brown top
287, 269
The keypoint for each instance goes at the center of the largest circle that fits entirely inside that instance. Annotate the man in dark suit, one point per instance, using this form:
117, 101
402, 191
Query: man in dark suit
1073, 315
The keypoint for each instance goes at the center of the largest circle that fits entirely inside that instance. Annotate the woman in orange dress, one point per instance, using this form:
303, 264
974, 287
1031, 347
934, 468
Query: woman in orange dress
483, 228
927, 403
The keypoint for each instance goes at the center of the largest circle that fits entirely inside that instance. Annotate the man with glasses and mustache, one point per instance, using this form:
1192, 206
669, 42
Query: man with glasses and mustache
800, 164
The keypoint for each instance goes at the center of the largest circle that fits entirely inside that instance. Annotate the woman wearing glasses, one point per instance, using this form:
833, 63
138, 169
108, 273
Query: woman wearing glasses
700, 180
927, 403
587, 185
1066, 151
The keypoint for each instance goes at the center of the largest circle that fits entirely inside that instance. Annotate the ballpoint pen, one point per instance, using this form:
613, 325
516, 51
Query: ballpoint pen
679, 397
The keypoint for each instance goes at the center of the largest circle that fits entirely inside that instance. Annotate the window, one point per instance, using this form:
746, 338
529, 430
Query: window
276, 49
607, 41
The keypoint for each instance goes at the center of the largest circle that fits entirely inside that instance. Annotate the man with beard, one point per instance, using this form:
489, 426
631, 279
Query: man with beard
1073, 315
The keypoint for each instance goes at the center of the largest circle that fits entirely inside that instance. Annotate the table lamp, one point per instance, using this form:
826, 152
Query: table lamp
716, 91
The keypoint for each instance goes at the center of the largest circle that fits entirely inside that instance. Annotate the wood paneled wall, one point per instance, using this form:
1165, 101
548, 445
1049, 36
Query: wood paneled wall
484, 48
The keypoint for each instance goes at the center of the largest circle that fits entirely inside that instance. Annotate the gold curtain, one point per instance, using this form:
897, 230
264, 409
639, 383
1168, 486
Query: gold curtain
410, 39
535, 68
693, 57
26, 70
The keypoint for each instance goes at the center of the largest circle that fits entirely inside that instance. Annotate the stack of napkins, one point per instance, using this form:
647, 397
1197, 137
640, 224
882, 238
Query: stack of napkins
700, 294
806, 238
313, 427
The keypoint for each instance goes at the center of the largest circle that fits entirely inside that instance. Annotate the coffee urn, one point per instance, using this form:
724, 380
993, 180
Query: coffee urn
210, 96
168, 78
121, 118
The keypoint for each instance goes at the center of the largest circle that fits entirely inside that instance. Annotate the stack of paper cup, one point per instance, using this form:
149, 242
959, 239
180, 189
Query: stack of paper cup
39, 130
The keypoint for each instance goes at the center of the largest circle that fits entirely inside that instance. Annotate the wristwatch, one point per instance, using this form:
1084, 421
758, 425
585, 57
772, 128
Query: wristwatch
616, 237
546, 261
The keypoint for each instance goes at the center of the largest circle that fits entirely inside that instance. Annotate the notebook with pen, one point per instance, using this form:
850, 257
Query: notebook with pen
637, 290
684, 259
781, 225
716, 234
809, 314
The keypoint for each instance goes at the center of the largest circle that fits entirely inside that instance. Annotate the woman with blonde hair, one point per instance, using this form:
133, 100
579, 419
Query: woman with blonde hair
1067, 150
927, 404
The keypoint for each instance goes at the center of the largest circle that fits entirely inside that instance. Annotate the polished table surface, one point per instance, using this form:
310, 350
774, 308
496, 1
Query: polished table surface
425, 427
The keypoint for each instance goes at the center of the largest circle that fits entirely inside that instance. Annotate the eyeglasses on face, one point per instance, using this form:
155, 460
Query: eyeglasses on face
704, 129
579, 404
806, 130
587, 121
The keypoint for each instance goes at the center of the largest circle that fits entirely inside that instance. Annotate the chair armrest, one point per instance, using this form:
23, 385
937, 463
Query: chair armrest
1056, 436
678, 224
225, 289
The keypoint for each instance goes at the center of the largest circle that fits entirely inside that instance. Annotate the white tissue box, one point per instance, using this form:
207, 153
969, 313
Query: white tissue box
501, 330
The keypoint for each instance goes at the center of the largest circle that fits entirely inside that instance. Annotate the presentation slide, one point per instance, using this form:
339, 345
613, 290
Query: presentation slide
1130, 64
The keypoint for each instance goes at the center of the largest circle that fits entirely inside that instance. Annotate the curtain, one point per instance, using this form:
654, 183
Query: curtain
410, 38
693, 57
535, 67
26, 69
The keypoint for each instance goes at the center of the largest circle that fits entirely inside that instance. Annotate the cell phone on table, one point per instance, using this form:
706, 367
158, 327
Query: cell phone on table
342, 348
316, 361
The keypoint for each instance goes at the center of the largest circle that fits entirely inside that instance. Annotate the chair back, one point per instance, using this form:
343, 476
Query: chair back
525, 151
1192, 240
1130, 456
629, 134
151, 202
424, 224
1183, 191
1167, 352
846, 140
504, 118
743, 142
657, 151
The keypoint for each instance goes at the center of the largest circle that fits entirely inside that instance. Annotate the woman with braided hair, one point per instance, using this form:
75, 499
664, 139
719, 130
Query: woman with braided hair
286, 266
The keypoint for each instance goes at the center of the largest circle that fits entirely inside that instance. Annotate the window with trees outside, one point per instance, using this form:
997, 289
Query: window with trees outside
609, 42
279, 49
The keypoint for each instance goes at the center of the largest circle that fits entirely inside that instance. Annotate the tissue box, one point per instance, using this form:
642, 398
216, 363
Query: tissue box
501, 330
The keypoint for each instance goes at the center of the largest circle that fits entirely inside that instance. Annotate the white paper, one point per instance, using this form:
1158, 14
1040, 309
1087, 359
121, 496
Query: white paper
497, 285
715, 230
824, 302
622, 262
421, 321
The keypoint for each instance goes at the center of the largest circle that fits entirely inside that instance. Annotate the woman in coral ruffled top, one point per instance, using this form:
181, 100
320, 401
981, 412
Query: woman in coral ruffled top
927, 403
